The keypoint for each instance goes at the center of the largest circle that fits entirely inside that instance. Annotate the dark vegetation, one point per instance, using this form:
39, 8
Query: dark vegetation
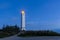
38, 33
9, 31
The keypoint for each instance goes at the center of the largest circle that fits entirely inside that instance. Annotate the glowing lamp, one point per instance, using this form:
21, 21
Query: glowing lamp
22, 12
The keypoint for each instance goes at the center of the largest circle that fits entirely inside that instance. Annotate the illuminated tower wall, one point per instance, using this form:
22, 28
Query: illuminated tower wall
22, 20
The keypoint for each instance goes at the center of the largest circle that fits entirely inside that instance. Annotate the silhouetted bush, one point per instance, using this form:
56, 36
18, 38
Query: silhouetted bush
39, 33
9, 31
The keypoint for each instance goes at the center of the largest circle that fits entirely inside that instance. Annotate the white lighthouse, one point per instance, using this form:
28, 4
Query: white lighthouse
22, 20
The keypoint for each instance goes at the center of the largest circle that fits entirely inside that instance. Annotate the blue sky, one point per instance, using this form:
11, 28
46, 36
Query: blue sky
40, 14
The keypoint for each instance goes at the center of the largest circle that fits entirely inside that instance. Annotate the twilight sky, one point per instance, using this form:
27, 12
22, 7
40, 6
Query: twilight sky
40, 14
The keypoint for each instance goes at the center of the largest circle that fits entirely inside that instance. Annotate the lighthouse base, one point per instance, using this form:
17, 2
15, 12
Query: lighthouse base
23, 29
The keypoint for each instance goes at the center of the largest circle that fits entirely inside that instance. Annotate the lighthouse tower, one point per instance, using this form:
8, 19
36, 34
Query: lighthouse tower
22, 20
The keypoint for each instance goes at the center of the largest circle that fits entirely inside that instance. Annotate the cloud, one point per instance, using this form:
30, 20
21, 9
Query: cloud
43, 24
